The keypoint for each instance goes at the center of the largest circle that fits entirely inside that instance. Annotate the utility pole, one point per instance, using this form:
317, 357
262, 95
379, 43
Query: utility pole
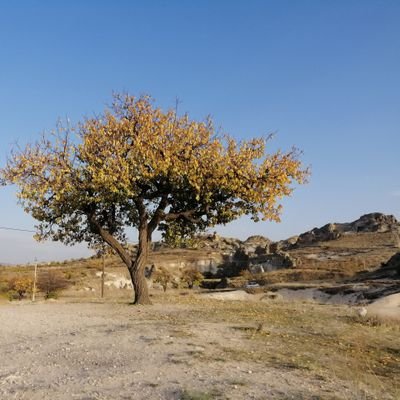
34, 281
103, 273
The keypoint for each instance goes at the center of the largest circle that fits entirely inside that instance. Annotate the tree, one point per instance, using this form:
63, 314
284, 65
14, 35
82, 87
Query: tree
138, 166
50, 283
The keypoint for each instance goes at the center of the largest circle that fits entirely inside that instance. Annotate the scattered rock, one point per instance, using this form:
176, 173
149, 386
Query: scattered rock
362, 312
117, 281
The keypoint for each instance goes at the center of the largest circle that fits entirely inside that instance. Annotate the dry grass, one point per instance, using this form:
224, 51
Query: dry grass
328, 342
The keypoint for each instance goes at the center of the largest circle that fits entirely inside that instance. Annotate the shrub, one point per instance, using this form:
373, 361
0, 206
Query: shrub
18, 288
191, 276
68, 275
50, 283
3, 287
163, 277
246, 274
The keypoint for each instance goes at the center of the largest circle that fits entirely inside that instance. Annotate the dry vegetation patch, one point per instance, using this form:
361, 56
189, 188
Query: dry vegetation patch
330, 342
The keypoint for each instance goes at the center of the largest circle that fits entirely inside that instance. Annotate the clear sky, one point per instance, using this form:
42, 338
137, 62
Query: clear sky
323, 75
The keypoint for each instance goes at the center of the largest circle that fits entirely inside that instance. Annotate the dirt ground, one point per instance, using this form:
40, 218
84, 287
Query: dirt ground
191, 349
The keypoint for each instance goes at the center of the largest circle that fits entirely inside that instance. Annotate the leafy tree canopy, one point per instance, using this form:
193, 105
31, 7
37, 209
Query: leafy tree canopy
137, 165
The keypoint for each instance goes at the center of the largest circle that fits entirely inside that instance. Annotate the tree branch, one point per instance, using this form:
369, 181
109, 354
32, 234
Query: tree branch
109, 239
159, 213
188, 215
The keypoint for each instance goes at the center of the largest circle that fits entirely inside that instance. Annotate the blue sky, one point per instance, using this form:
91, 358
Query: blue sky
323, 75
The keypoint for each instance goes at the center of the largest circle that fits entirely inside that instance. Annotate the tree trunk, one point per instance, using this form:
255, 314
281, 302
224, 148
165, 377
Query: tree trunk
140, 286
138, 266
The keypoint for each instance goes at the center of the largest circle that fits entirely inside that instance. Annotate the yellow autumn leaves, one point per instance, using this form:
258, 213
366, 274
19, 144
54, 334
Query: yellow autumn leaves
136, 150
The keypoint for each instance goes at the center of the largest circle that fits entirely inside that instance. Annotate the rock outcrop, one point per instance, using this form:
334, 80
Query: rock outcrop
390, 269
216, 242
374, 222
272, 262
256, 245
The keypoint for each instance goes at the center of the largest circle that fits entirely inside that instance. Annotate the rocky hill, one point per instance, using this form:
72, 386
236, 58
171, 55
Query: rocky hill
373, 222
342, 250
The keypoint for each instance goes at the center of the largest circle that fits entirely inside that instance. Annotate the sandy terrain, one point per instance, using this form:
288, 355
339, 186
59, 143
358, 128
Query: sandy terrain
90, 351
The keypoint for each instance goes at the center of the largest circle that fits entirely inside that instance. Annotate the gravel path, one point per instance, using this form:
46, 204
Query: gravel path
115, 351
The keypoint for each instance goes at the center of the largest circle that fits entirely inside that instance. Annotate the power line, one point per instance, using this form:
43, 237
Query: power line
6, 228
